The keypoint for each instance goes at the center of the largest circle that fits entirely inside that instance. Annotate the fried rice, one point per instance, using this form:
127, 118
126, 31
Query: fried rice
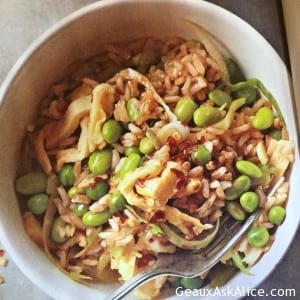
167, 188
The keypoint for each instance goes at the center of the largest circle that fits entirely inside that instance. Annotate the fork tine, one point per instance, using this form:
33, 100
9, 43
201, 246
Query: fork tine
228, 228
224, 239
222, 249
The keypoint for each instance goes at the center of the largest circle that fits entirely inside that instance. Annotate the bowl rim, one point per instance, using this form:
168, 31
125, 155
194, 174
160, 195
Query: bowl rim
66, 21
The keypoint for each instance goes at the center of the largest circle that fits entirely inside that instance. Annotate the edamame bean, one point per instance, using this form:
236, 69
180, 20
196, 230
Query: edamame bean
235, 210
146, 146
79, 209
31, 183
132, 149
100, 161
130, 164
97, 191
263, 118
206, 115
111, 131
57, 232
175, 283
132, 110
258, 236
72, 191
202, 156
38, 203
95, 219
249, 201
66, 175
249, 93
276, 134
184, 109
220, 97
191, 283
117, 202
239, 186
265, 179
276, 214
248, 168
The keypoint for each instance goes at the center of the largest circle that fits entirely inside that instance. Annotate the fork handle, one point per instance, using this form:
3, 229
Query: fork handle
134, 282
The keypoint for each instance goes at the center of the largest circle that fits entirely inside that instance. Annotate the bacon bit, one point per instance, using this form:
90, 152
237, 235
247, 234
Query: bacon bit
189, 227
202, 140
184, 123
171, 141
140, 182
92, 185
2, 252
186, 145
182, 180
121, 216
98, 179
159, 216
145, 259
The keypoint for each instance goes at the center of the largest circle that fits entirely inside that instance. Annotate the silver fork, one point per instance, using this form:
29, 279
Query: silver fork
188, 263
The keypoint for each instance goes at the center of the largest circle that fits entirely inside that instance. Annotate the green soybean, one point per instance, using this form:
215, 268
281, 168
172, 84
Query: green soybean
31, 183
132, 149
66, 175
132, 110
100, 161
72, 191
146, 146
79, 209
117, 202
99, 190
206, 115
249, 201
235, 210
247, 92
175, 283
192, 283
258, 236
265, 179
111, 131
184, 109
38, 203
263, 118
240, 185
220, 97
57, 231
276, 214
95, 219
130, 164
276, 134
248, 168
202, 156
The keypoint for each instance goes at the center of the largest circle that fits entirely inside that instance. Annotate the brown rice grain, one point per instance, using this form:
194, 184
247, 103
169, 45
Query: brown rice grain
185, 88
205, 188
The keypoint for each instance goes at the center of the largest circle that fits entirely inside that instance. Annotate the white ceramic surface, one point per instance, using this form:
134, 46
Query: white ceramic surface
80, 35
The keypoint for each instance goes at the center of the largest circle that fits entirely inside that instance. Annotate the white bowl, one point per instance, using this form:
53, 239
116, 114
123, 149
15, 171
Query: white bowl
81, 35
